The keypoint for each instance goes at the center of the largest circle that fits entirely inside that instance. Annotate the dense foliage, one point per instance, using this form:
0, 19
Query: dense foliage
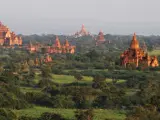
98, 82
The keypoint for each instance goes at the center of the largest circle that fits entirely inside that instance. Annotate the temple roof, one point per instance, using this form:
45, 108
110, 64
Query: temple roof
67, 43
82, 32
57, 42
100, 36
134, 43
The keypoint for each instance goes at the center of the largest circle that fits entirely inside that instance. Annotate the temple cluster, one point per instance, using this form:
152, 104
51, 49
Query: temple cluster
133, 55
138, 56
8, 38
61, 48
46, 59
57, 47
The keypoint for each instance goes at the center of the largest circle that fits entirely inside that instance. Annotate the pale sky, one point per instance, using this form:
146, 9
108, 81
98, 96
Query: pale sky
67, 16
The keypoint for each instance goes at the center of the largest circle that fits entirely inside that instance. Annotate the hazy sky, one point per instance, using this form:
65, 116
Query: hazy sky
67, 16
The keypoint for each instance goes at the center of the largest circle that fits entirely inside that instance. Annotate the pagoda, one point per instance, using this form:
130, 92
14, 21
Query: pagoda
136, 55
82, 32
100, 39
8, 38
57, 47
47, 58
32, 48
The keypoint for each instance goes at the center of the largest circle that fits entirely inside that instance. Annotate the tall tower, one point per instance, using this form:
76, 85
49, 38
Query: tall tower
144, 47
134, 43
101, 36
66, 43
57, 42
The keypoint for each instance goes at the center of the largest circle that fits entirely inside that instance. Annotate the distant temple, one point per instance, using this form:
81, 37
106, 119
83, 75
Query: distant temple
32, 48
8, 38
46, 59
58, 48
82, 32
138, 56
100, 39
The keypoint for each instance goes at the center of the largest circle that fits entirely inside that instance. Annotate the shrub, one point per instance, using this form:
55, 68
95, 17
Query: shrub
84, 114
6, 114
61, 101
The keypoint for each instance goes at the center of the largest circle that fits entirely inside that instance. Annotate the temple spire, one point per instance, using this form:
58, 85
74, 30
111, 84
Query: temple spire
67, 43
144, 46
0, 23
57, 43
134, 43
83, 28
134, 37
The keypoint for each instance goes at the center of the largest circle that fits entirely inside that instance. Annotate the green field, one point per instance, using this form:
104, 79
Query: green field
69, 79
65, 79
69, 113
100, 114
154, 52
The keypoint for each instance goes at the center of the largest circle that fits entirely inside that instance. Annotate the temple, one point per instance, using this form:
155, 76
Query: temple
32, 48
46, 59
8, 38
136, 55
100, 39
58, 48
82, 32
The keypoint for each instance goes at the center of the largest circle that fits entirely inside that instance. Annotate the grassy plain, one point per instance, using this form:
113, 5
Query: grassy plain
154, 52
100, 114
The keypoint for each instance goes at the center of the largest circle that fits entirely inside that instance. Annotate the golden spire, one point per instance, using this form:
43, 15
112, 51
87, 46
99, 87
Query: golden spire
57, 43
134, 43
66, 43
134, 37
83, 28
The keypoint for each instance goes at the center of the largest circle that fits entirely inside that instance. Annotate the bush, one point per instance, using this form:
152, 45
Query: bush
61, 101
6, 114
39, 98
147, 112
84, 114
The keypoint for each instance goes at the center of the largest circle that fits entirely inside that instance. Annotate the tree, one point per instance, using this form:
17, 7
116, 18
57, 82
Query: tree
98, 81
78, 76
147, 112
46, 77
61, 101
6, 114
84, 114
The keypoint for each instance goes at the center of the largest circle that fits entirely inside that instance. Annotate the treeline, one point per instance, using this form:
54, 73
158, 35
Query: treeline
114, 42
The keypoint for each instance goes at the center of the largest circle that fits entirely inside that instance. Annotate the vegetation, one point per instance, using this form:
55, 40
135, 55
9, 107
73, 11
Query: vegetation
90, 84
